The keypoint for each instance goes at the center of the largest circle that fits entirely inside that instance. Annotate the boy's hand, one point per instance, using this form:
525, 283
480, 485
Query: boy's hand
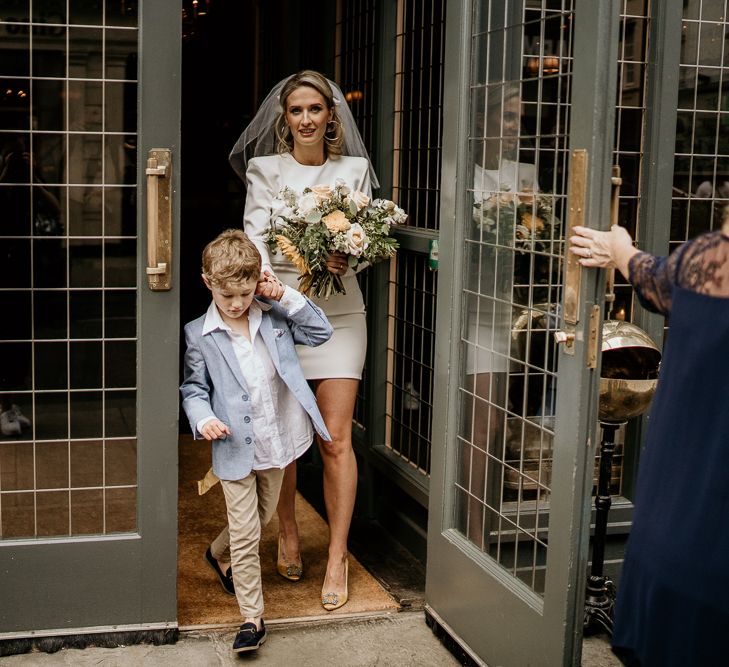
214, 429
270, 287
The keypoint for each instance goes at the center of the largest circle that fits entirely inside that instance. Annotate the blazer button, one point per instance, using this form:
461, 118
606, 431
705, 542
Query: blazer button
245, 397
248, 441
247, 419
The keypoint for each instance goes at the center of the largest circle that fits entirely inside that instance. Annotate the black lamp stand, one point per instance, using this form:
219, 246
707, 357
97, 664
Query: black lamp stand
600, 593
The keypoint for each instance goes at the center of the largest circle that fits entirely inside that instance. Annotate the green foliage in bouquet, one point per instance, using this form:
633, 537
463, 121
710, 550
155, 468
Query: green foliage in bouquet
322, 220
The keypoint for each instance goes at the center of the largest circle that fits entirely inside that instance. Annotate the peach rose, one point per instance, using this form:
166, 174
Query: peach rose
336, 222
360, 199
322, 193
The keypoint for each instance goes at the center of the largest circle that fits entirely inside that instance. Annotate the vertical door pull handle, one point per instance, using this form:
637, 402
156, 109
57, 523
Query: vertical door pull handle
159, 219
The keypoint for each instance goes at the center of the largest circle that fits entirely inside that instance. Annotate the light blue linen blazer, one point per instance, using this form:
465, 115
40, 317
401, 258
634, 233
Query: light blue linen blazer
213, 382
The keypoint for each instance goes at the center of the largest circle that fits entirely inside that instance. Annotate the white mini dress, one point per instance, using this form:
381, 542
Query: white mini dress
343, 355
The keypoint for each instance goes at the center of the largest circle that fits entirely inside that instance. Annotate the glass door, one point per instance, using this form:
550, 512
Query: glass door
88, 377
529, 134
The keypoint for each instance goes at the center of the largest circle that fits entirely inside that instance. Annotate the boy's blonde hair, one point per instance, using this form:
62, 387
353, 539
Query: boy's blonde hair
231, 257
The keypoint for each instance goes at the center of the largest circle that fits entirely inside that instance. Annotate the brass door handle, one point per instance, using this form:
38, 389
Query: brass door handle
159, 219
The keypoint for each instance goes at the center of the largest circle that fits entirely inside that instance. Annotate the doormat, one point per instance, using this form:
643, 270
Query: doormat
200, 597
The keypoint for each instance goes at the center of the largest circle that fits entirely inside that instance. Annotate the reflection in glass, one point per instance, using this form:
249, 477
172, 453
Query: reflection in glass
120, 414
87, 460
120, 510
85, 262
17, 512
16, 466
16, 419
49, 262
14, 104
86, 366
85, 211
48, 159
85, 158
87, 417
86, 12
121, 462
14, 51
85, 53
120, 211
120, 365
15, 371
51, 415
87, 512
64, 185
51, 513
120, 314
120, 263
15, 11
120, 163
51, 465
121, 12
85, 313
18, 326
51, 369
49, 314
48, 107
85, 106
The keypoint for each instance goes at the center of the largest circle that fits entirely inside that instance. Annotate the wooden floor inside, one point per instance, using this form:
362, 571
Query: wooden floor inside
200, 597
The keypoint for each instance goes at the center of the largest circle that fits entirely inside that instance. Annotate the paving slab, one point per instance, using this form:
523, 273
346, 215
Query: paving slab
391, 639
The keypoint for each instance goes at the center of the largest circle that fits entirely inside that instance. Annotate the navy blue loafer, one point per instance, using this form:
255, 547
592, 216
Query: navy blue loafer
226, 578
249, 637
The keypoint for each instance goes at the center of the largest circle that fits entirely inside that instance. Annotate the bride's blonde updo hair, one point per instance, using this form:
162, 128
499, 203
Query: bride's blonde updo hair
334, 135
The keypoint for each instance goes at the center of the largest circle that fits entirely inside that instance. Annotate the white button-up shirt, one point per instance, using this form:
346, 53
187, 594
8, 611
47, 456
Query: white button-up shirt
282, 430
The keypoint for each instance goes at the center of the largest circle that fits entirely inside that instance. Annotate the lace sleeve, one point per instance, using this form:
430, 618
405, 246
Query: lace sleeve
653, 280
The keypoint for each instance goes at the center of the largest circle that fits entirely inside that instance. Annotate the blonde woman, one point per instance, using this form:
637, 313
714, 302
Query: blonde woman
302, 136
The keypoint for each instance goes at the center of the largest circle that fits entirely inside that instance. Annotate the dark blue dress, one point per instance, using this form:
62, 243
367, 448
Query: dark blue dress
673, 600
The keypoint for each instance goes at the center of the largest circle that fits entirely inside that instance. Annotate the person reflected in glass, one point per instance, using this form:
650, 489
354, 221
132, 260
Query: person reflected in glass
304, 135
500, 184
671, 609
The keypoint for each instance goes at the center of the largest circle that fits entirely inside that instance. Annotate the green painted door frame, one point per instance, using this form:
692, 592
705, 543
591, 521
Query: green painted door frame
123, 581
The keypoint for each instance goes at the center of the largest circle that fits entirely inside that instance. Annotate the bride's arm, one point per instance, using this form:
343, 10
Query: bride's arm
257, 216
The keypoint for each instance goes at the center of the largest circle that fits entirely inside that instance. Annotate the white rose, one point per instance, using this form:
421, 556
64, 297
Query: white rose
342, 186
356, 240
307, 204
360, 199
322, 192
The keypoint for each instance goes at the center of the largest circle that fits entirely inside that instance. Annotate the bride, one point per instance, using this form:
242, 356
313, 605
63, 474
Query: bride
304, 135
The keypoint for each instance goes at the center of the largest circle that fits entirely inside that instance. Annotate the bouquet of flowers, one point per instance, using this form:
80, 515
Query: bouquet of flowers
526, 222
322, 220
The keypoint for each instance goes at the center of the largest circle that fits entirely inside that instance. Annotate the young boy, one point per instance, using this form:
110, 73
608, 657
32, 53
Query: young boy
244, 390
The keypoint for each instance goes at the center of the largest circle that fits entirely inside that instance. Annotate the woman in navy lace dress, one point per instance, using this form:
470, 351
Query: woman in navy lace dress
673, 599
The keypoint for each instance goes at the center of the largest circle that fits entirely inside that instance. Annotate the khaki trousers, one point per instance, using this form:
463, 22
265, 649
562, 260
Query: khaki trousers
251, 503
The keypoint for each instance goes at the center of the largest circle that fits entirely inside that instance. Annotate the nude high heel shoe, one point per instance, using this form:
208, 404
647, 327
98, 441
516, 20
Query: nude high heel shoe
289, 571
331, 600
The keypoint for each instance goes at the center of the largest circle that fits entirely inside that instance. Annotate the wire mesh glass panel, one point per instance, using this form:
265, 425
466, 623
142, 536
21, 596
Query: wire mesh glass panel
512, 279
701, 167
68, 109
419, 109
410, 359
355, 66
416, 187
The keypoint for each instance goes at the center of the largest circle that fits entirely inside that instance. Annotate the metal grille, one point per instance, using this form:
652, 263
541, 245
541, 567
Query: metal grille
416, 187
520, 89
628, 155
419, 109
410, 387
68, 269
355, 66
701, 168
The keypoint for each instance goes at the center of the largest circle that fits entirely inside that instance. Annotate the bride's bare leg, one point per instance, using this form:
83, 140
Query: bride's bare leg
336, 399
286, 510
